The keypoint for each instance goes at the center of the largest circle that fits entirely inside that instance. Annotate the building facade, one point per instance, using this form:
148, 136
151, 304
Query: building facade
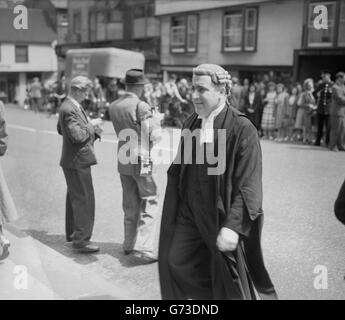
25, 54
251, 37
125, 24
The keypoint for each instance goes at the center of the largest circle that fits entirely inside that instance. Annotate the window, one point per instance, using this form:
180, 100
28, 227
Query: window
100, 26
233, 28
144, 23
105, 25
115, 25
21, 53
178, 33
341, 31
192, 33
62, 20
92, 26
139, 22
240, 30
184, 34
77, 25
250, 30
322, 37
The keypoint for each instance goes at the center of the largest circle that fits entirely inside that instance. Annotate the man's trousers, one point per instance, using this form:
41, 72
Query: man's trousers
322, 120
80, 206
140, 205
337, 138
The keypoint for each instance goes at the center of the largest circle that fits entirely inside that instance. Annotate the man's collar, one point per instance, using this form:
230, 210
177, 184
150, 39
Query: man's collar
75, 102
132, 94
214, 113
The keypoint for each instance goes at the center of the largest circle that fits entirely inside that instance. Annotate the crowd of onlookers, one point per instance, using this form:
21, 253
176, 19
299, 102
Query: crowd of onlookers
307, 112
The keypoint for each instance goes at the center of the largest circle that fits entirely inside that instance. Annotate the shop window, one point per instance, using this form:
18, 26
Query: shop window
184, 34
21, 54
321, 37
240, 30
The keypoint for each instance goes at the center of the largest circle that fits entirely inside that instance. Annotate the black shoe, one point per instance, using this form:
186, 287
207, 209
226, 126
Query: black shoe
127, 252
89, 248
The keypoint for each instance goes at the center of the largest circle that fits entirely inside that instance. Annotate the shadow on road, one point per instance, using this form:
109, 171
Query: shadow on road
58, 243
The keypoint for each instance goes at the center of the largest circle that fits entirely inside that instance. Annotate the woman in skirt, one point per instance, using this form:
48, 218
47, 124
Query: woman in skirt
268, 123
282, 103
306, 104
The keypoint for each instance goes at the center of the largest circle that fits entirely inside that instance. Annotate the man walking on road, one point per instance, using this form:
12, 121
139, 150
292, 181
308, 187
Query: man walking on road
133, 117
77, 157
209, 244
337, 114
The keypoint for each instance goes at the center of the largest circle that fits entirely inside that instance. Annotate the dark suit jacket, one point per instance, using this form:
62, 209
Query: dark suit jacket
339, 206
338, 101
253, 111
78, 137
238, 194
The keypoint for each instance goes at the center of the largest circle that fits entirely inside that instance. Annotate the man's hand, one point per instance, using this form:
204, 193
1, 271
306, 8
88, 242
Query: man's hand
96, 122
227, 240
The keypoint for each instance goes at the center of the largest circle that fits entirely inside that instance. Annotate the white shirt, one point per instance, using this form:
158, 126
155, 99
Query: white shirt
251, 97
206, 132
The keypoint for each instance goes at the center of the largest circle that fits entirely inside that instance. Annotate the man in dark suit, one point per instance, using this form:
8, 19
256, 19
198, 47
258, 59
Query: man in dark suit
337, 114
77, 157
212, 217
323, 95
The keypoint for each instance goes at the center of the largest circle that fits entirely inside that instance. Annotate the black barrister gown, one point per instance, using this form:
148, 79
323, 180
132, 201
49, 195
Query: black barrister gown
234, 200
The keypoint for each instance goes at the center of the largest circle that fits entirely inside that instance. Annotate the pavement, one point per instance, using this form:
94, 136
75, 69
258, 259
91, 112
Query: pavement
34, 271
302, 241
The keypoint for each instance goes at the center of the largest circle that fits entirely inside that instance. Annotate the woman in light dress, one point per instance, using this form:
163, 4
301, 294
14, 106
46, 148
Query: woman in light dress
306, 105
281, 111
268, 123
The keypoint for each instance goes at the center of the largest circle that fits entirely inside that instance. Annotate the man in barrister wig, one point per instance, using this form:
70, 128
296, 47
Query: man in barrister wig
212, 217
